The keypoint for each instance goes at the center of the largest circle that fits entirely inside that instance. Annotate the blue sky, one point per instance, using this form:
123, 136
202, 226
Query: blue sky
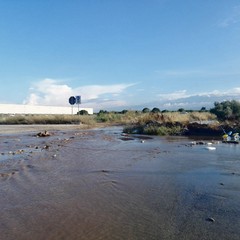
120, 54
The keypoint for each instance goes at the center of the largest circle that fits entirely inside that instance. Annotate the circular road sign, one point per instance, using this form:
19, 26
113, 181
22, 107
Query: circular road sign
72, 100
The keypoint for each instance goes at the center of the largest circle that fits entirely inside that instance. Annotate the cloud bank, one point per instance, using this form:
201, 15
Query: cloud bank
183, 99
50, 92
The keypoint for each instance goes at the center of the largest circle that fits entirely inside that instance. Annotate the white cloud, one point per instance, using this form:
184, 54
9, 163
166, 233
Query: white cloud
107, 104
95, 91
48, 92
174, 95
187, 100
233, 18
229, 92
234, 92
116, 96
33, 99
56, 93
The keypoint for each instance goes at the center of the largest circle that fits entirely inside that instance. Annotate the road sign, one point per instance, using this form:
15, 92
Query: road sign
72, 100
78, 99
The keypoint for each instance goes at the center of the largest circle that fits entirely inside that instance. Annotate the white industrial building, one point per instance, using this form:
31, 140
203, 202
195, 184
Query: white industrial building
30, 109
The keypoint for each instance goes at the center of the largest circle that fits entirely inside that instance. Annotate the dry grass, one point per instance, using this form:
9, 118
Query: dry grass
128, 118
202, 116
169, 117
46, 119
170, 123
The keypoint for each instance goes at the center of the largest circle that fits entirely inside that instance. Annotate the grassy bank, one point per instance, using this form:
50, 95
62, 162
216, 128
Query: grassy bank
130, 117
46, 119
168, 123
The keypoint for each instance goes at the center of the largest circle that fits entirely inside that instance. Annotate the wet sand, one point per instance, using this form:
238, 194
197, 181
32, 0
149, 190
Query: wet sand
99, 184
9, 129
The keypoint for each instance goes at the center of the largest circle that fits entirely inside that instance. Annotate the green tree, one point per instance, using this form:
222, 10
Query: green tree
236, 109
82, 112
155, 110
203, 109
102, 111
181, 110
124, 111
227, 110
165, 111
146, 110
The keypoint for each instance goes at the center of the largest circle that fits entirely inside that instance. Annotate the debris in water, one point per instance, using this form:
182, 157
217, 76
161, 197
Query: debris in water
210, 219
210, 148
43, 134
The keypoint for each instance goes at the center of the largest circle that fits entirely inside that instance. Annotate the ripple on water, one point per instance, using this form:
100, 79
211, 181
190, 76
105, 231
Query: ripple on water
98, 187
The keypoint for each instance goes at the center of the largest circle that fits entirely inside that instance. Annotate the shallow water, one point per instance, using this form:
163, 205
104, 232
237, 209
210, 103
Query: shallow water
100, 184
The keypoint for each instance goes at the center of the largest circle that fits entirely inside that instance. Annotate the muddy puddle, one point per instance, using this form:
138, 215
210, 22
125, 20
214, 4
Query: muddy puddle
102, 184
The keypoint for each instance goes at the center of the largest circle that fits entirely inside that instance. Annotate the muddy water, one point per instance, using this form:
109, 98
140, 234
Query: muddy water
98, 184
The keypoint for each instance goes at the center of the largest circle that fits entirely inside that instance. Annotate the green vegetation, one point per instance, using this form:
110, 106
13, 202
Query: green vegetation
155, 110
166, 123
154, 129
227, 110
152, 122
82, 112
124, 117
146, 110
45, 119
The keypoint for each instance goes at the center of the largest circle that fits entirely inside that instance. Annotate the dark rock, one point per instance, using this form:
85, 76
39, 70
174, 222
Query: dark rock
43, 134
203, 129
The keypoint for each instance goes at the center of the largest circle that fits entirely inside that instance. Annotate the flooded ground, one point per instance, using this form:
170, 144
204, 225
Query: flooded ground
100, 184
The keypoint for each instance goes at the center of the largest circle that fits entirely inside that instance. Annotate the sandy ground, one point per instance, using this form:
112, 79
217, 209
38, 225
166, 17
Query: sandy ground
9, 129
100, 184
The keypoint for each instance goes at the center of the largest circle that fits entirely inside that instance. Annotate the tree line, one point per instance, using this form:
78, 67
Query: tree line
226, 110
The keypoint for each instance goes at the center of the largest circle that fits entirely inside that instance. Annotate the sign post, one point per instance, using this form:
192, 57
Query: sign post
72, 101
78, 101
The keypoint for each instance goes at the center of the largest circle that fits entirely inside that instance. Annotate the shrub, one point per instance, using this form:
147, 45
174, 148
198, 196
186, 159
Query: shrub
155, 110
203, 109
181, 110
165, 111
227, 110
146, 110
124, 111
82, 112
108, 117
102, 111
